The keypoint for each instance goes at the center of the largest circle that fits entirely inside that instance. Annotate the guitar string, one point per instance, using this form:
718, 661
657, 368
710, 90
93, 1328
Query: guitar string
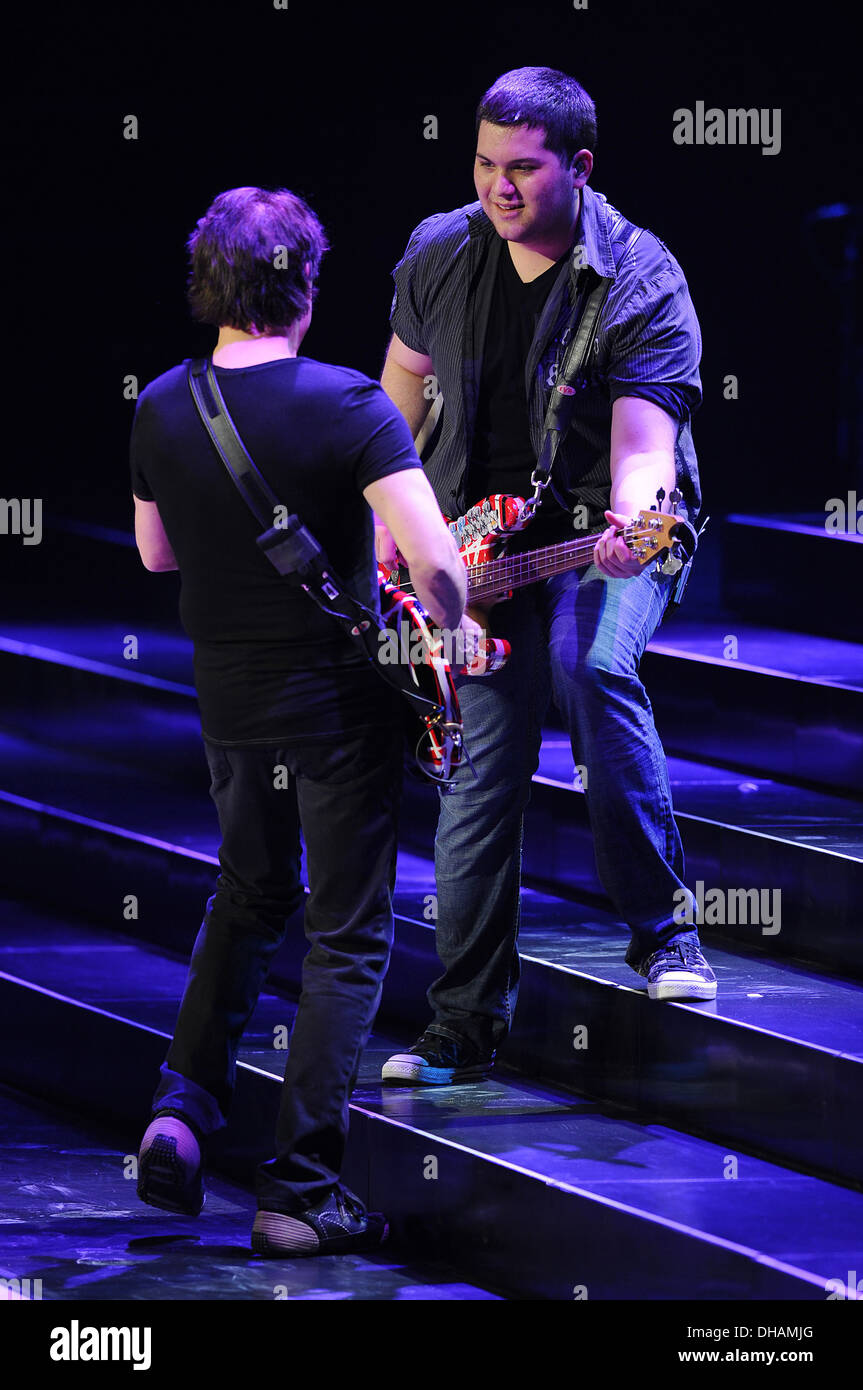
531, 565
492, 576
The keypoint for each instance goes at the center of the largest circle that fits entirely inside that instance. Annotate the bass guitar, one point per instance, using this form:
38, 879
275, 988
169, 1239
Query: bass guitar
482, 533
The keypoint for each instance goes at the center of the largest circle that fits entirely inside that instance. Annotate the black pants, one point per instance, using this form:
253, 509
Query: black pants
344, 793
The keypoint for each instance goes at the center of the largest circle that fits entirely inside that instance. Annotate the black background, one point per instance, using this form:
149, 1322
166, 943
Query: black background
329, 101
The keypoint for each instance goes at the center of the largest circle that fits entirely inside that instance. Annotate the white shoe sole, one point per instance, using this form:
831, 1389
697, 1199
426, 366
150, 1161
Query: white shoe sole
275, 1233
680, 984
404, 1067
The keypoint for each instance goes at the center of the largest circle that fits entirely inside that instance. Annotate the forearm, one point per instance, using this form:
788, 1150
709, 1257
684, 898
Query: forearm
643, 439
407, 507
407, 391
442, 590
636, 479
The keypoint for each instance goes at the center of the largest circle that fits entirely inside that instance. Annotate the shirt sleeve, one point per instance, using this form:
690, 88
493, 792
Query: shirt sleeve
655, 349
406, 312
376, 435
139, 447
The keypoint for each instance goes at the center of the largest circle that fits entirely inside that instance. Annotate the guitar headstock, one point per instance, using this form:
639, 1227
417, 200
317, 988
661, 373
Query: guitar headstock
654, 531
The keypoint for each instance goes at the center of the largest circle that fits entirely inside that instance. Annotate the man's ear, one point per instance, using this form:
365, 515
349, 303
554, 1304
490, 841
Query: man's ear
582, 166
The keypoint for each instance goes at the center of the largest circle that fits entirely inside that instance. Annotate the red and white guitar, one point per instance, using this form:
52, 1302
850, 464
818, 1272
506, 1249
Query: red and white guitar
482, 535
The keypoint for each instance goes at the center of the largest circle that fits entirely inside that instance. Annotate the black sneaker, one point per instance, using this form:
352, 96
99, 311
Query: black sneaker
678, 971
435, 1060
338, 1224
170, 1173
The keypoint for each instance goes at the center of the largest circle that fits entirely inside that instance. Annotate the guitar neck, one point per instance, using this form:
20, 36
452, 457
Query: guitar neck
515, 571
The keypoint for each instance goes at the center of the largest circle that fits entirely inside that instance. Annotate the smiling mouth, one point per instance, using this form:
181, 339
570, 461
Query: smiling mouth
509, 207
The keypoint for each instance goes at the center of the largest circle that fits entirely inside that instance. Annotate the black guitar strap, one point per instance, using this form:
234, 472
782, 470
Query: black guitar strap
291, 549
563, 395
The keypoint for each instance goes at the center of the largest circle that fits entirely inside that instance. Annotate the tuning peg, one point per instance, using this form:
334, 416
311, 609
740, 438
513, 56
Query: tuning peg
660, 497
672, 562
674, 497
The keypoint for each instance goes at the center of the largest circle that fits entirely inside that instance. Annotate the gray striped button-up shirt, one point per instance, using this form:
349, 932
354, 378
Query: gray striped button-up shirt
648, 344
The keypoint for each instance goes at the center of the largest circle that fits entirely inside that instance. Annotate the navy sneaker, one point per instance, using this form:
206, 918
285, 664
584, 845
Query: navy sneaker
336, 1225
678, 971
169, 1166
435, 1060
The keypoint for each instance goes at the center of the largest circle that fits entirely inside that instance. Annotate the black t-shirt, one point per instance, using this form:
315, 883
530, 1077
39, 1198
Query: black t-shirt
503, 458
269, 665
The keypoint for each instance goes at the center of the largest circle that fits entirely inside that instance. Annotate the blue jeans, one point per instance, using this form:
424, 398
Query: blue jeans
578, 638
344, 793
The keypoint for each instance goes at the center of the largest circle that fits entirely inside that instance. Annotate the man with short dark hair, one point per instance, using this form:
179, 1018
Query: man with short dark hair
299, 731
486, 298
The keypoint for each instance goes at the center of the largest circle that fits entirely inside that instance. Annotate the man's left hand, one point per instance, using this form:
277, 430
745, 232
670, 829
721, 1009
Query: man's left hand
611, 554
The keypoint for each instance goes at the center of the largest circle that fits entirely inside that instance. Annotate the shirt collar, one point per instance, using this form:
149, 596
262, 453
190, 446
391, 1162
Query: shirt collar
592, 236
592, 245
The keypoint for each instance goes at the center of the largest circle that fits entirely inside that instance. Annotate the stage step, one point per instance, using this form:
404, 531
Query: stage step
758, 698
762, 700
74, 1227
740, 829
800, 849
789, 570
774, 1063
756, 1074
525, 1189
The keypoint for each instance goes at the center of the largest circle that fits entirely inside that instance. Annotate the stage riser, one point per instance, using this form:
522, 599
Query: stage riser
505, 1227
103, 715
799, 1104
792, 579
765, 725
769, 726
821, 893
69, 573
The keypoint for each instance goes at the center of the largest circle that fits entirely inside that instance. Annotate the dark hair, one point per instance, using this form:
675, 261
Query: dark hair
249, 254
547, 98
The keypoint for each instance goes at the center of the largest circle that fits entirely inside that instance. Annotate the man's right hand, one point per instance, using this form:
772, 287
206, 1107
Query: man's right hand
473, 636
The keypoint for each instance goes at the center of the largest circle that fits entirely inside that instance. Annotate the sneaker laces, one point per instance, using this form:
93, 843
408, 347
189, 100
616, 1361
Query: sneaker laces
350, 1205
687, 952
691, 953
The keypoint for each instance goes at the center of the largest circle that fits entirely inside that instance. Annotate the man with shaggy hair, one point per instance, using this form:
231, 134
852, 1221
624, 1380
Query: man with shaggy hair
299, 731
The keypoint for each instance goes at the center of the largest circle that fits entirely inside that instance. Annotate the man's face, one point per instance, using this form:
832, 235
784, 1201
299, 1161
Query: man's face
523, 187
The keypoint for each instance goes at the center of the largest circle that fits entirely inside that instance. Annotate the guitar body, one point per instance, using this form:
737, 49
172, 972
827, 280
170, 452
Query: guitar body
481, 535
433, 726
437, 735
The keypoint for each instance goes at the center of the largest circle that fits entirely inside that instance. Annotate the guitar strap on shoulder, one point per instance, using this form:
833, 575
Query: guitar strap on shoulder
561, 405
291, 549
294, 553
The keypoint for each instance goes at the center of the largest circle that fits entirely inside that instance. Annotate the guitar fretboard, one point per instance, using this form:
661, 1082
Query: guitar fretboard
516, 571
